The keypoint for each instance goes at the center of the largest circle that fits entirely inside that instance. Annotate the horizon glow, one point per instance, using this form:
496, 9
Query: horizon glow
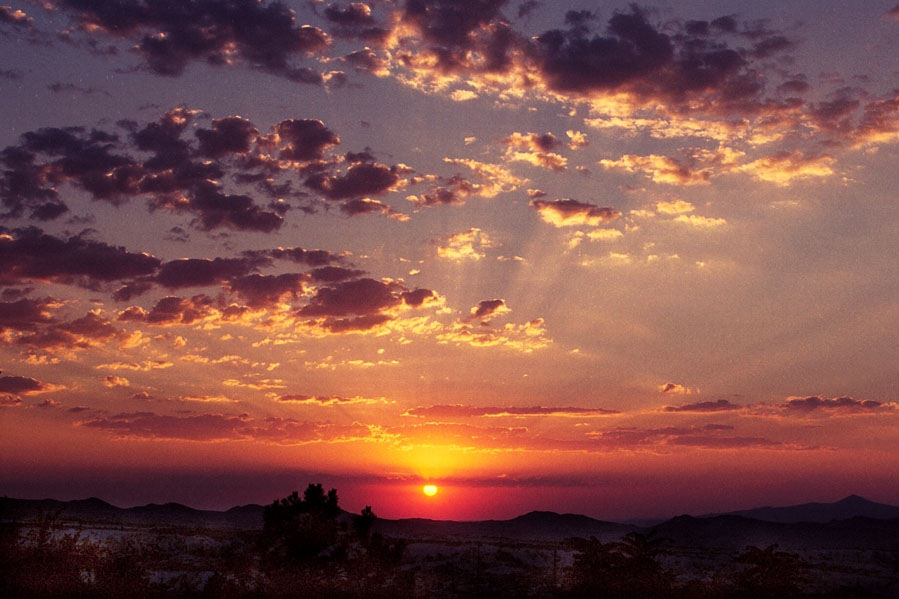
627, 262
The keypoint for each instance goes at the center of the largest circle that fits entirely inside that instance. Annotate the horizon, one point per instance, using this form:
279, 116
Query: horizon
616, 261
658, 517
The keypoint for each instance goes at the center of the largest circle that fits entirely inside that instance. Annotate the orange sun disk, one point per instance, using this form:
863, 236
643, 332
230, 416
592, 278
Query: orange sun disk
429, 490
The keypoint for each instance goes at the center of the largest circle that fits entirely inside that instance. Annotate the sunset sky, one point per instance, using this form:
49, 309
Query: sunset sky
615, 259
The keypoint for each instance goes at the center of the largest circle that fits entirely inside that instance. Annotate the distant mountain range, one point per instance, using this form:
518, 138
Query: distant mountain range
850, 507
750, 526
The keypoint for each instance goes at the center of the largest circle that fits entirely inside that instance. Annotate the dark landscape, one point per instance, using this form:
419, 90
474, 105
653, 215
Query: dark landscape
305, 545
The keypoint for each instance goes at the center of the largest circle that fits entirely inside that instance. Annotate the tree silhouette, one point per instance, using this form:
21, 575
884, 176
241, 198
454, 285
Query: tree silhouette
627, 568
301, 530
770, 573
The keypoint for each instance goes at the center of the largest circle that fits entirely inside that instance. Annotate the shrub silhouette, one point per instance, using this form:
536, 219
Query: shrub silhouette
302, 530
769, 574
628, 568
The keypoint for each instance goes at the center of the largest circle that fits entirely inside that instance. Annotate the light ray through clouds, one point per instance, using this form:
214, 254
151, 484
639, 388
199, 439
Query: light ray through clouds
628, 253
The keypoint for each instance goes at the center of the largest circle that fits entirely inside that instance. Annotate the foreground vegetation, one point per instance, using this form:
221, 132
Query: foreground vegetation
309, 547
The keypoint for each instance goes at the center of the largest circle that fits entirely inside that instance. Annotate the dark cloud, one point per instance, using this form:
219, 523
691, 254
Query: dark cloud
359, 297
722, 405
202, 427
688, 63
713, 442
12, 74
231, 135
574, 63
360, 180
527, 7
365, 60
81, 333
334, 274
452, 191
20, 385
202, 272
355, 20
487, 308
58, 88
816, 403
179, 175
26, 314
893, 13
359, 305
171, 311
11, 16
366, 206
222, 427
216, 209
468, 411
259, 291
417, 297
29, 254
170, 34
304, 139
297, 255
9, 401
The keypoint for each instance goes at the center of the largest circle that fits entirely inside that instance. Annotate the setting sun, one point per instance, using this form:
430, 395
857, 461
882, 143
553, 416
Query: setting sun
429, 490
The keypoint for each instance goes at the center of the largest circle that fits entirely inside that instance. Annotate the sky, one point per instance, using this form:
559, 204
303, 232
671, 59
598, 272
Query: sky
625, 260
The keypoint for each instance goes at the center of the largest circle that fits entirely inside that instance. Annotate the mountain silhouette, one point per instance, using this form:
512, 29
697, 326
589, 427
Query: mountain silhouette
852, 506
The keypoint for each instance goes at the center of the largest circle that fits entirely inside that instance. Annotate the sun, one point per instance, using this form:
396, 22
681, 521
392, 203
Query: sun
429, 490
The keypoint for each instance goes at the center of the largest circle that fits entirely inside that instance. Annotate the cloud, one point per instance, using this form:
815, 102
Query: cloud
88, 331
893, 13
567, 212
20, 385
260, 291
700, 222
674, 388
468, 411
360, 180
783, 168
9, 401
721, 405
224, 427
202, 272
10, 16
231, 135
468, 245
836, 405
450, 192
355, 21
492, 179
661, 169
330, 400
169, 34
26, 314
535, 149
525, 338
113, 381
360, 305
172, 310
488, 308
30, 255
179, 175
370, 206
304, 140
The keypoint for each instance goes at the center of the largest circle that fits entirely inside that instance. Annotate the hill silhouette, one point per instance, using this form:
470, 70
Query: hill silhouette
852, 506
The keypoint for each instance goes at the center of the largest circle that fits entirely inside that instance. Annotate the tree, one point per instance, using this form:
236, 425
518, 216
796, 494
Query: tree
769, 573
301, 530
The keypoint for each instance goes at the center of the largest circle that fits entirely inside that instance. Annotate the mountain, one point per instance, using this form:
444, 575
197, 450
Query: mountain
533, 526
97, 511
850, 507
